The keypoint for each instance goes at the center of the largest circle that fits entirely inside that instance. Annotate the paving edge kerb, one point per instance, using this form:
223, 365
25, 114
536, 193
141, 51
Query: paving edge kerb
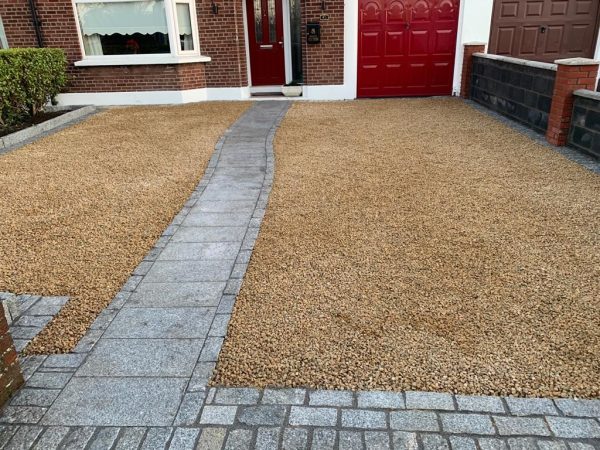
224, 417
30, 134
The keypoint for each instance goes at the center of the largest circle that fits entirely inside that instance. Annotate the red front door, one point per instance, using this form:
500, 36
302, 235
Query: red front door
406, 47
265, 32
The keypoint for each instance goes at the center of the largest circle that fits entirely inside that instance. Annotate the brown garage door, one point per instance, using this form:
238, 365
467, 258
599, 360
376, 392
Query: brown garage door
544, 30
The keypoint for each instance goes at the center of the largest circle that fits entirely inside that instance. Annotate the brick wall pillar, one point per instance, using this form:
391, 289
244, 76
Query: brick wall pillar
467, 68
11, 377
571, 74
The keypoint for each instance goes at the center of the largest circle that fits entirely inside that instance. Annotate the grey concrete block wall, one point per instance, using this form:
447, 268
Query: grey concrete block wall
584, 134
522, 92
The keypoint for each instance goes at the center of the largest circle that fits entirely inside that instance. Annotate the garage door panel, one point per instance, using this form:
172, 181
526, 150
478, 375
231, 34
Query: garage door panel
544, 30
414, 48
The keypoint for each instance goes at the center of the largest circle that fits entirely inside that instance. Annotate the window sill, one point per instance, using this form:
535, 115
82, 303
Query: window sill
132, 60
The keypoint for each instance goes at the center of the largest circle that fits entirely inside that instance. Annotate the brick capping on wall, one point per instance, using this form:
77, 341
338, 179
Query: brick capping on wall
572, 74
467, 69
11, 377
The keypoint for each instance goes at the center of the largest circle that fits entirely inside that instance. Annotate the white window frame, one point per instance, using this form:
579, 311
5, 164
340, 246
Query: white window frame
3, 41
176, 56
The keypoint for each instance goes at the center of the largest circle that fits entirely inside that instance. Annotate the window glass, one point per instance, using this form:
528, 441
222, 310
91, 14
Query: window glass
121, 28
272, 30
258, 21
3, 42
184, 24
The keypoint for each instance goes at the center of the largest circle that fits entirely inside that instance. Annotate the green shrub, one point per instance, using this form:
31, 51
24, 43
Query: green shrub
29, 79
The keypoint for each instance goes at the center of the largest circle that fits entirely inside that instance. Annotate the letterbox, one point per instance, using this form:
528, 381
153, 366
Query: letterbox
313, 32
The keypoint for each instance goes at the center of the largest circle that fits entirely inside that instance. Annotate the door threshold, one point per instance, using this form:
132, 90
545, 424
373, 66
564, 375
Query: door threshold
266, 90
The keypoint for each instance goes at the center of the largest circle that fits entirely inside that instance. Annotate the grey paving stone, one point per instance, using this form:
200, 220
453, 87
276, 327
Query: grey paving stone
531, 406
20, 344
24, 437
184, 439
434, 442
552, 445
117, 402
182, 251
566, 427
209, 234
285, 396
310, 416
267, 439
233, 286
522, 444
243, 257
216, 193
131, 438
350, 440
78, 438
142, 357
172, 295
157, 438
514, 426
492, 444
131, 283
377, 440
142, 268
380, 399
330, 398
263, 415
218, 219
22, 414
211, 349
429, 400
579, 408
69, 360
140, 323
224, 206
104, 319
477, 403
218, 415
202, 373
51, 438
405, 441
295, 439
170, 230
323, 439
189, 409
34, 397
153, 254
226, 304
462, 443
219, 325
239, 440
467, 423
32, 321
87, 342
210, 396
24, 332
580, 446
189, 271
361, 418
239, 270
211, 438
7, 432
104, 438
414, 421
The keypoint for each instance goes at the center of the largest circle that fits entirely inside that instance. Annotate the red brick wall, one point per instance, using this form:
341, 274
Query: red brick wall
11, 377
324, 63
16, 19
569, 78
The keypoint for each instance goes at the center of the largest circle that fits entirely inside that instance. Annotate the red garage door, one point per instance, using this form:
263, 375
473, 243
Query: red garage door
406, 47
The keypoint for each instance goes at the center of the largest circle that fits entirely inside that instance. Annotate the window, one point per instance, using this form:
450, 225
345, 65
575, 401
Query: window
137, 31
3, 41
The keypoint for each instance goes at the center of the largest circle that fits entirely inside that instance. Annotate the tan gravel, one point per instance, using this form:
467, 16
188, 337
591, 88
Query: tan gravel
81, 208
420, 244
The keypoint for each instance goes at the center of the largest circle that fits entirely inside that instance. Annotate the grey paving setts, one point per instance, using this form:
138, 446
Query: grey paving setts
138, 379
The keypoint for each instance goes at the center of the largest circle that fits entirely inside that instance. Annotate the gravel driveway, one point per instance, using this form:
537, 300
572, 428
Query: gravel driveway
419, 244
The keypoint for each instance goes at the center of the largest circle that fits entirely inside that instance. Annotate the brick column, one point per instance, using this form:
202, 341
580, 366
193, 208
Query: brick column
571, 74
467, 68
11, 377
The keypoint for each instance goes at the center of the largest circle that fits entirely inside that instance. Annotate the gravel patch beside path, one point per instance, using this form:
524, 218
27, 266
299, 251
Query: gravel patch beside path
419, 244
81, 208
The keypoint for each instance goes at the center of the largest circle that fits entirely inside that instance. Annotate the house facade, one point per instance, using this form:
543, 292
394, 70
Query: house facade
177, 51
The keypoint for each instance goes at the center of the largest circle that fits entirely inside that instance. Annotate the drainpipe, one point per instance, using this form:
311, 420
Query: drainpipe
36, 23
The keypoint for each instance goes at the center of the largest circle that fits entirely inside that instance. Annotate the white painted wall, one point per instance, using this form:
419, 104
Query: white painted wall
474, 25
597, 55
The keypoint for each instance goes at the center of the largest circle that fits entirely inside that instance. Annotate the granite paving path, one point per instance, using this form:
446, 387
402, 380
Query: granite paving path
138, 379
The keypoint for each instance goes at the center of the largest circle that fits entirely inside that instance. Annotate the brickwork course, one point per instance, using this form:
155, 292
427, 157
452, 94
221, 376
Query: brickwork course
11, 377
139, 378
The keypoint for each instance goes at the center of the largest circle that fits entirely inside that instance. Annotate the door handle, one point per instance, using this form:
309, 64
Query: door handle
542, 29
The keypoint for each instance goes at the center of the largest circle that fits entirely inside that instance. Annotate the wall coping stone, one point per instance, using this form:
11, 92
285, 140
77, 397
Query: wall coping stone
522, 62
577, 62
586, 93
475, 43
